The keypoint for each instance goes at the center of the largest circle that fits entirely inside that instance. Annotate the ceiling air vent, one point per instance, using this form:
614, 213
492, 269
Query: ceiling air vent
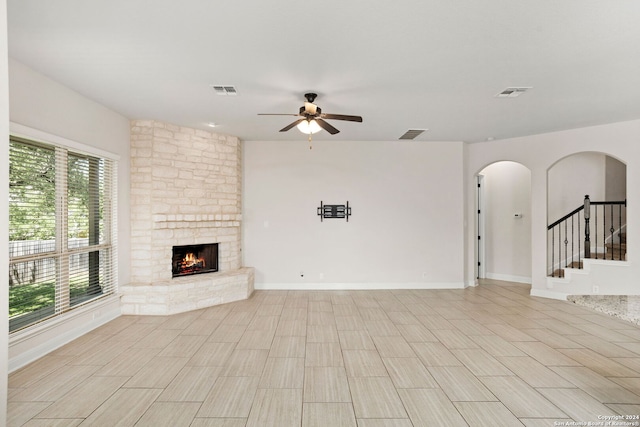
512, 92
412, 133
225, 90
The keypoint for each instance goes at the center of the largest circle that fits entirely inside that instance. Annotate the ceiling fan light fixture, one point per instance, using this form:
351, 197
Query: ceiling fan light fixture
309, 127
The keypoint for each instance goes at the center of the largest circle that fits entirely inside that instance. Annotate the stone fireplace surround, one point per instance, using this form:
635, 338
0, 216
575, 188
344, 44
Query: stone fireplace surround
185, 190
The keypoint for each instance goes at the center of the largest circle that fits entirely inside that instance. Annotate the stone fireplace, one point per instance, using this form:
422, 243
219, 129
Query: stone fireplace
185, 192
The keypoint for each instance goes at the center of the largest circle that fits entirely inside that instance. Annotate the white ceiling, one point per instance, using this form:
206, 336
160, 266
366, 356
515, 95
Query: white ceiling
401, 65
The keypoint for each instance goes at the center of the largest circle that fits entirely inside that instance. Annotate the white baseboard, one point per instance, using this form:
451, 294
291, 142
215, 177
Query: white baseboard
33, 342
357, 286
548, 294
509, 278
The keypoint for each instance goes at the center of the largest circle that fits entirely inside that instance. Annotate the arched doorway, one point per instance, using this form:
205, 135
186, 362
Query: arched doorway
504, 222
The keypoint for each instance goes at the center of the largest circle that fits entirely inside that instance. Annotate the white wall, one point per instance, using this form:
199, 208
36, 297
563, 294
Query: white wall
507, 191
539, 153
573, 177
616, 180
38, 105
406, 228
4, 210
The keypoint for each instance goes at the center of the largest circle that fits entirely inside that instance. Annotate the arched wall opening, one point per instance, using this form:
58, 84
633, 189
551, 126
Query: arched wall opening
604, 179
504, 222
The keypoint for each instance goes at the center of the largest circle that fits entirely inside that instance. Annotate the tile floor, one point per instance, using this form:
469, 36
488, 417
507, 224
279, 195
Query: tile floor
485, 356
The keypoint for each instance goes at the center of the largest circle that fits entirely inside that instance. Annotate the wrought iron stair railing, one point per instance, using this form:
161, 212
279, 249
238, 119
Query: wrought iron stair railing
570, 238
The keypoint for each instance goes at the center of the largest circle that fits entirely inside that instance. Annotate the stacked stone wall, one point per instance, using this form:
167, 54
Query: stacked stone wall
185, 189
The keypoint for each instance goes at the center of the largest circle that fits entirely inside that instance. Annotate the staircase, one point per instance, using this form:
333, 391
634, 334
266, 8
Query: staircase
571, 240
613, 252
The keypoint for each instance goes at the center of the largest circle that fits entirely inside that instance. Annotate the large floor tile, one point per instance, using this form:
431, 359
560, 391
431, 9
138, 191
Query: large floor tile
230, 397
170, 414
521, 399
375, 397
493, 414
328, 414
430, 407
460, 384
481, 363
283, 372
326, 384
364, 363
84, 399
276, 408
601, 388
534, 373
124, 408
576, 403
409, 373
323, 354
393, 346
191, 384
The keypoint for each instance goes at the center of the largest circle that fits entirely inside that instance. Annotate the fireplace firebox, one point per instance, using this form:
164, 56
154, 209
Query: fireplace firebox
194, 259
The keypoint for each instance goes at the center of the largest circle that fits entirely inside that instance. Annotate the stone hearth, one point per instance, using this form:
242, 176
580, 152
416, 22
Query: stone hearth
185, 190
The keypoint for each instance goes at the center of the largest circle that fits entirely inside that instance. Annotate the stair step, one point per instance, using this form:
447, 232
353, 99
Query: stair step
616, 246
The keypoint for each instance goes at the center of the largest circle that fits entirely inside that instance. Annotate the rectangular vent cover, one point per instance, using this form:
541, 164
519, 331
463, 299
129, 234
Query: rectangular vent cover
225, 90
512, 92
412, 133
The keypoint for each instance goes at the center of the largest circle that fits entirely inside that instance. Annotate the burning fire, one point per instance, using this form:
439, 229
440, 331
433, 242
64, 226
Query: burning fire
191, 262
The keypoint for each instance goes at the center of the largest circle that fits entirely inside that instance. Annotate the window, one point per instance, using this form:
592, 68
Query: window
61, 230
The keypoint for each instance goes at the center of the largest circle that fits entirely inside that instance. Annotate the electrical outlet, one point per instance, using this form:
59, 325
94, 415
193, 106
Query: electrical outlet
302, 274
596, 289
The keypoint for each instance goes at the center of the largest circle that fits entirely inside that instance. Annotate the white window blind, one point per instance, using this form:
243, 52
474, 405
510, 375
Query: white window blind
62, 242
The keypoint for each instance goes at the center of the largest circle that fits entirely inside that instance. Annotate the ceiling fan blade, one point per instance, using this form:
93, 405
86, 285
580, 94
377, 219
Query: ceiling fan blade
277, 114
342, 117
292, 125
326, 126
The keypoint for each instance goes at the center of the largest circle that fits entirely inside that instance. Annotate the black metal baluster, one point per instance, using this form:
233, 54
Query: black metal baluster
572, 251
566, 243
587, 216
579, 259
620, 230
559, 250
596, 229
553, 243
612, 230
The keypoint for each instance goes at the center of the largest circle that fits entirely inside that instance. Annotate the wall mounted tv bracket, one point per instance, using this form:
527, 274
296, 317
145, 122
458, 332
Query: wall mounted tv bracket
334, 211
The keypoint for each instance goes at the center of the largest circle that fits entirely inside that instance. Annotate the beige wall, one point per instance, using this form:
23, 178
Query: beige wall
407, 224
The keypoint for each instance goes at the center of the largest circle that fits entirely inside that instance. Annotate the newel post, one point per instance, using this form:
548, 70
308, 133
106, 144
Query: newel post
587, 215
